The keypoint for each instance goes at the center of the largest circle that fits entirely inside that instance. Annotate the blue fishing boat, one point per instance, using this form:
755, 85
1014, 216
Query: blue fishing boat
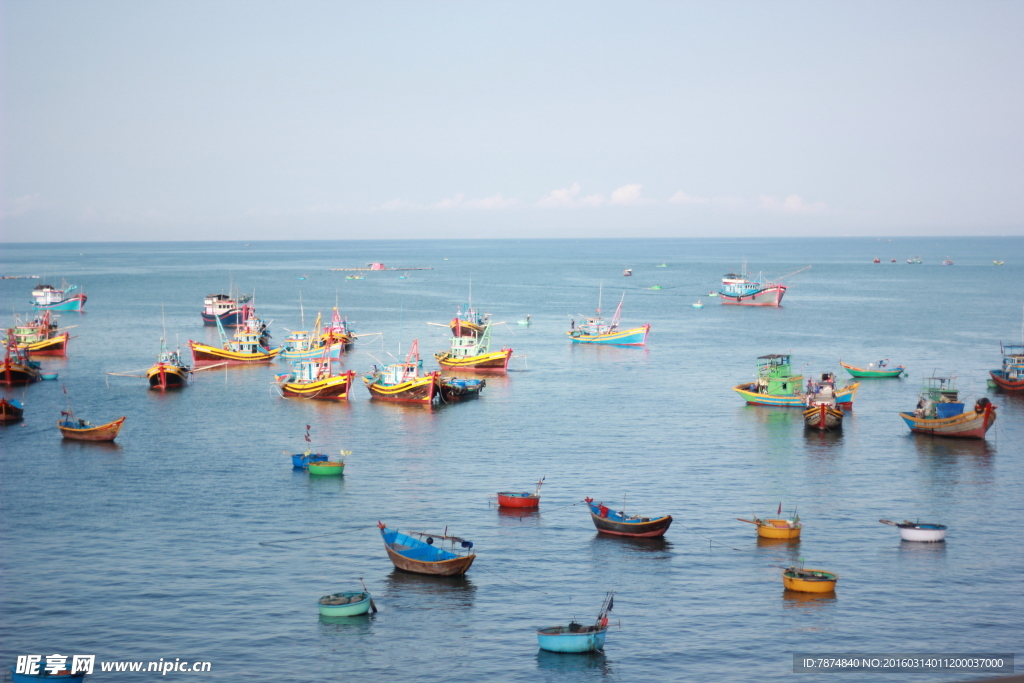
576, 637
595, 331
49, 298
413, 555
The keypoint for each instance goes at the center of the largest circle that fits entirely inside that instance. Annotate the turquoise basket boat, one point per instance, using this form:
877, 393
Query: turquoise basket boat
576, 638
348, 604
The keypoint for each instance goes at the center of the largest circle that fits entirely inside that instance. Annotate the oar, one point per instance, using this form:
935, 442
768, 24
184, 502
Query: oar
885, 521
748, 521
372, 606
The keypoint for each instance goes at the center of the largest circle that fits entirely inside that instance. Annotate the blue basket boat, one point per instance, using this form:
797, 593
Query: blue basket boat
344, 604
575, 637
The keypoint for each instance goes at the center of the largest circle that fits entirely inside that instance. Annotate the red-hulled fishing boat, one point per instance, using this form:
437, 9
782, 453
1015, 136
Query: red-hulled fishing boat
17, 368
510, 499
10, 411
608, 521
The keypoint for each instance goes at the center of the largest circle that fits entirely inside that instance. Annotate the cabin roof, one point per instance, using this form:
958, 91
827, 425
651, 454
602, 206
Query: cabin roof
773, 356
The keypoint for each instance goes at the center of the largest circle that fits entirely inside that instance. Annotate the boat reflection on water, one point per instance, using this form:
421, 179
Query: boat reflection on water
602, 543
914, 550
508, 515
90, 446
779, 543
356, 625
430, 592
928, 446
573, 661
810, 601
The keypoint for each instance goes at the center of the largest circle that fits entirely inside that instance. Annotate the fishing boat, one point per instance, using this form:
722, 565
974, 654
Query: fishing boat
170, 371
248, 346
919, 531
451, 389
576, 637
338, 330
413, 555
663, 265
915, 261
10, 410
401, 382
947, 262
520, 499
41, 336
809, 580
49, 298
42, 673
1010, 377
627, 272
822, 414
17, 367
879, 369
469, 322
738, 290
348, 604
656, 288
316, 379
877, 260
608, 521
231, 311
525, 322
595, 331
776, 385
699, 304
892, 260
998, 263
471, 350
940, 413
301, 344
777, 528
76, 429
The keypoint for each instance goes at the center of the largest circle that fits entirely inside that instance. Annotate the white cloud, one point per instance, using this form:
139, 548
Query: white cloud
628, 195
793, 204
570, 196
681, 197
21, 205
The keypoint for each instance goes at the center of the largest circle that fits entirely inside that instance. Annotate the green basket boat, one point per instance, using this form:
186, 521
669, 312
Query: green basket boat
327, 468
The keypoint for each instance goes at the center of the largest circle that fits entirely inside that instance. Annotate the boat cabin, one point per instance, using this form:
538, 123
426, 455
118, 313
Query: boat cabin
218, 304
247, 341
396, 373
466, 347
48, 294
307, 371
297, 341
1013, 362
775, 375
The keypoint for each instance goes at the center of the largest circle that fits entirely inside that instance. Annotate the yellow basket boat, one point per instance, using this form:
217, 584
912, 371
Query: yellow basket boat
776, 528
809, 580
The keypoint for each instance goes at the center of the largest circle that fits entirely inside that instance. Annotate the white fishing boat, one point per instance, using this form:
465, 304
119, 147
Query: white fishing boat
919, 531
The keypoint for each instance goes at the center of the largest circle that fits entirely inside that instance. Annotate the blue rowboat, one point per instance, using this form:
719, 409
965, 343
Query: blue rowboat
344, 604
301, 460
575, 637
63, 676
413, 555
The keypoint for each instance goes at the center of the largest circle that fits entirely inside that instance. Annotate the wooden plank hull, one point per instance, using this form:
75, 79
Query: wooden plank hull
107, 432
862, 372
10, 411
203, 353
493, 361
12, 373
74, 303
651, 529
969, 425
636, 336
454, 567
55, 346
163, 376
1005, 383
768, 296
823, 417
844, 396
335, 388
421, 390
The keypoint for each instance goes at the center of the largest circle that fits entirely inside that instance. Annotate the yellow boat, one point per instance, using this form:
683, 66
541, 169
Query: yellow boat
776, 528
203, 353
494, 360
809, 580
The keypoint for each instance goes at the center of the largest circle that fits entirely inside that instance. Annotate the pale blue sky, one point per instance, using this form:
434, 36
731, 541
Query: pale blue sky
289, 120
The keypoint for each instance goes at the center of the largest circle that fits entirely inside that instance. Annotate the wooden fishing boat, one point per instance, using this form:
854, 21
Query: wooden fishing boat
468, 322
230, 311
338, 330
738, 290
80, 430
809, 580
316, 379
41, 337
939, 412
49, 298
915, 261
595, 331
823, 416
627, 272
471, 347
608, 521
880, 369
517, 499
248, 346
348, 604
62, 675
776, 385
170, 371
326, 468
17, 367
11, 410
777, 528
413, 555
452, 389
576, 637
1010, 377
919, 531
402, 383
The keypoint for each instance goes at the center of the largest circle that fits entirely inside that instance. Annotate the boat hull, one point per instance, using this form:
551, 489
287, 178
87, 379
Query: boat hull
74, 303
421, 390
969, 425
55, 346
923, 535
454, 567
107, 432
495, 361
652, 529
334, 388
1005, 383
560, 639
863, 373
769, 530
334, 352
636, 336
823, 418
844, 397
162, 376
202, 353
326, 468
507, 499
231, 318
766, 296
300, 461
452, 389
10, 411
347, 610
810, 585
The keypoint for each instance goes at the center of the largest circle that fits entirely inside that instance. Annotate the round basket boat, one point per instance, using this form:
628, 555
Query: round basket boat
779, 528
344, 604
327, 468
923, 533
515, 499
50, 376
809, 580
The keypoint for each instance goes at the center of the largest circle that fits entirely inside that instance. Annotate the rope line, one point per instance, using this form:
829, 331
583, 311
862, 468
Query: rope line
711, 540
533, 588
333, 533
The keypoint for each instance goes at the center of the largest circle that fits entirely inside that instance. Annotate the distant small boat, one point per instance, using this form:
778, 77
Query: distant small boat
608, 521
809, 580
509, 499
576, 637
79, 430
655, 287
712, 293
998, 263
699, 304
595, 331
627, 272
11, 410
918, 531
738, 290
879, 369
915, 260
49, 298
326, 468
892, 260
413, 555
777, 528
48, 376
348, 604
877, 260
404, 277
355, 277
525, 321
948, 262
663, 265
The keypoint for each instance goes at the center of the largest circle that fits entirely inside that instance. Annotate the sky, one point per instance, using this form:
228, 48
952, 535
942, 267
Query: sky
253, 120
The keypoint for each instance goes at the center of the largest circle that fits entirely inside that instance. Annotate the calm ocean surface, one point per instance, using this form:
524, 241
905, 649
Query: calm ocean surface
149, 548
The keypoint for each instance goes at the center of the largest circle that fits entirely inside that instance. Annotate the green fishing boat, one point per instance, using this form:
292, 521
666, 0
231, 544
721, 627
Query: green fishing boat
880, 369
